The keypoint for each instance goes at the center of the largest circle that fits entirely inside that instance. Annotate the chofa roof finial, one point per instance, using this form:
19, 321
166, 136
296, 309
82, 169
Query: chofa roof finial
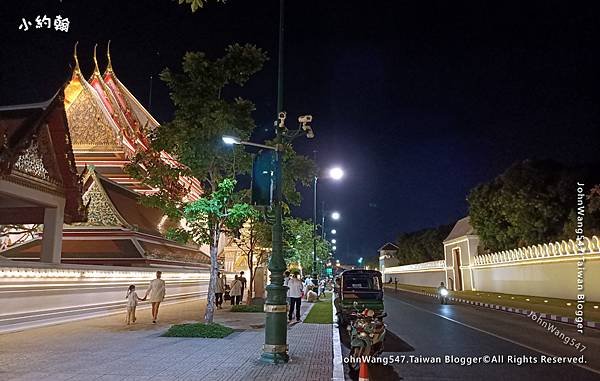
109, 67
75, 57
96, 69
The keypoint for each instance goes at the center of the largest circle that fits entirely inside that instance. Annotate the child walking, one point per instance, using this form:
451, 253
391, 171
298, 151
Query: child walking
132, 301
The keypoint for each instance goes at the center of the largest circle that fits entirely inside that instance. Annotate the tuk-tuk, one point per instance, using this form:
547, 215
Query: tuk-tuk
361, 286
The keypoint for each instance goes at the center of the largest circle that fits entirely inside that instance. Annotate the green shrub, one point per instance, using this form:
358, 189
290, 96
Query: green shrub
248, 308
211, 330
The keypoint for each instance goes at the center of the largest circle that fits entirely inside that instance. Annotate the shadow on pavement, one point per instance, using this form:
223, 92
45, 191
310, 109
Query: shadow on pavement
377, 372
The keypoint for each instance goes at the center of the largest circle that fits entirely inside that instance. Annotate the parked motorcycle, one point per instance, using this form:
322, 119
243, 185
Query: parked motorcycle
443, 295
367, 332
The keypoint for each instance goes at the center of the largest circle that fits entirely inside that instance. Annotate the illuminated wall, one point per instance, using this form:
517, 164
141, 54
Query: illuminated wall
32, 294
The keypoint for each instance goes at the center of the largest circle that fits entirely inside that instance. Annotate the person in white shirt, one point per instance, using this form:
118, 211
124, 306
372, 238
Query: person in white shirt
296, 289
132, 302
156, 290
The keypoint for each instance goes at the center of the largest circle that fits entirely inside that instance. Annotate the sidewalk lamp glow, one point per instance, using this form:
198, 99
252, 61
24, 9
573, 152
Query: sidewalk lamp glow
335, 215
336, 173
334, 241
230, 140
333, 231
334, 248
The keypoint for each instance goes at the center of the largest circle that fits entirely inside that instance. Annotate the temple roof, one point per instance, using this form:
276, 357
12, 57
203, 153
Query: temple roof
109, 125
35, 144
462, 228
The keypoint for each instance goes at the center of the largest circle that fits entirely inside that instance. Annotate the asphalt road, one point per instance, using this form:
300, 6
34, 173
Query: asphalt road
419, 326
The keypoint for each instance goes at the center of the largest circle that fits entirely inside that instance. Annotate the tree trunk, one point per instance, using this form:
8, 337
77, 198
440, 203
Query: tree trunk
251, 284
212, 283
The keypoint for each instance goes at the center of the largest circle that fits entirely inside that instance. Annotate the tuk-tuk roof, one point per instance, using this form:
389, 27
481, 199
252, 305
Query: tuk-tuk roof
360, 271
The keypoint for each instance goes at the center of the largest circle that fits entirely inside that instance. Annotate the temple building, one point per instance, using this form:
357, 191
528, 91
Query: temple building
107, 125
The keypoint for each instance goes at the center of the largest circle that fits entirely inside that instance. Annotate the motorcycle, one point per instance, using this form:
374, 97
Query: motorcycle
367, 332
443, 295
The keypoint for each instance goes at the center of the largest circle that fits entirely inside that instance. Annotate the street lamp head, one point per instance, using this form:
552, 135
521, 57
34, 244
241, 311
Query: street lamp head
231, 140
360, 260
333, 231
334, 248
335, 215
336, 173
334, 241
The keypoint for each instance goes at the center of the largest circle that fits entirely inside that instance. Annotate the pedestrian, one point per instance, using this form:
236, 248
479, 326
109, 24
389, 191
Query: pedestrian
243, 281
219, 290
396, 284
132, 302
286, 279
157, 291
236, 291
321, 288
295, 294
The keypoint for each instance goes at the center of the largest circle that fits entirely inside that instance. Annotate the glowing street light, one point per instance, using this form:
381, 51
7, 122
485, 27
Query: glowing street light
335, 215
336, 173
334, 248
333, 231
230, 140
334, 241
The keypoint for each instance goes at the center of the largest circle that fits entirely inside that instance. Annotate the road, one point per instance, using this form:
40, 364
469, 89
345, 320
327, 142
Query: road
418, 326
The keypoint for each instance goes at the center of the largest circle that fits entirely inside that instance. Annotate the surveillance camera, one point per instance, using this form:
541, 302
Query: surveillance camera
305, 119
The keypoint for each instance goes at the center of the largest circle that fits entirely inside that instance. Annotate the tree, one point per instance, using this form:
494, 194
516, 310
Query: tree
298, 243
422, 245
208, 217
530, 203
204, 114
254, 241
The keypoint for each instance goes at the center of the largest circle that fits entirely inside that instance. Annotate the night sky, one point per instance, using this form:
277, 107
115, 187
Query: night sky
419, 101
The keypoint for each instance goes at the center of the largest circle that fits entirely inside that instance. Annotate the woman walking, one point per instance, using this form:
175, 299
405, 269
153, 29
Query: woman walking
236, 291
157, 294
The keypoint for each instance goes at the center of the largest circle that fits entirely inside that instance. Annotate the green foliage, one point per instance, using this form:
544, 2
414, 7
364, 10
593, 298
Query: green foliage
152, 171
203, 113
532, 202
210, 330
197, 4
297, 169
248, 308
298, 244
423, 245
207, 216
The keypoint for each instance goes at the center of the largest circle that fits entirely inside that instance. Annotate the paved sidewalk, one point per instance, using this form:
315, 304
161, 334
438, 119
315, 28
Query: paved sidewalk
107, 349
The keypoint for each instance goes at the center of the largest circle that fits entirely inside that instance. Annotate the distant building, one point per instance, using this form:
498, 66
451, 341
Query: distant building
388, 256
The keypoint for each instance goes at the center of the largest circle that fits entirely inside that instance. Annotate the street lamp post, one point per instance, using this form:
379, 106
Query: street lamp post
335, 173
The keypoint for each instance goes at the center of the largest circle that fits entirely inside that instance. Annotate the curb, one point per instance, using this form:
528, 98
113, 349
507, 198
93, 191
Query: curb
561, 319
338, 366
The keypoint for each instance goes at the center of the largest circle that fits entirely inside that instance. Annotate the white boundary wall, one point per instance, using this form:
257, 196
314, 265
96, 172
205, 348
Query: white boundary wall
420, 274
549, 270
35, 294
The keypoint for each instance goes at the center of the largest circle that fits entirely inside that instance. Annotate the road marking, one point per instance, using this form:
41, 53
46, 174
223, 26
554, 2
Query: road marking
495, 335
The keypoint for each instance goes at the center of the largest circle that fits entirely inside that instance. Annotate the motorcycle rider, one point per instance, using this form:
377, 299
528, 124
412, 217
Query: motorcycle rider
442, 292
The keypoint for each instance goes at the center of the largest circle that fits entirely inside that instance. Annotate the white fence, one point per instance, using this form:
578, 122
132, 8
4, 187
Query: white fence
34, 294
546, 251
